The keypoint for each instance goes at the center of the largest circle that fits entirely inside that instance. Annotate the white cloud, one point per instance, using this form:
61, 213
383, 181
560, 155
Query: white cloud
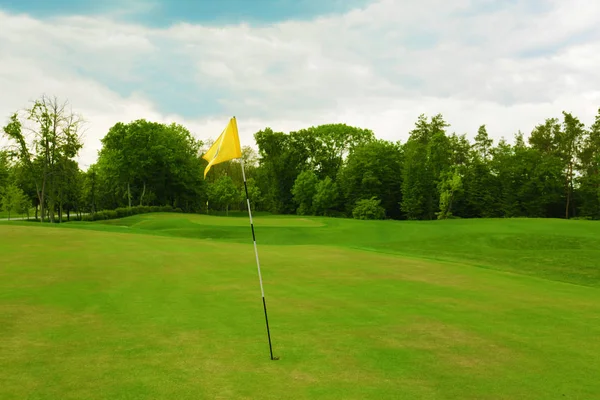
378, 67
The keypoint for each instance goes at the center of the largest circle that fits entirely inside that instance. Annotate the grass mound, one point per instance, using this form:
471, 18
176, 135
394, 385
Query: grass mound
566, 251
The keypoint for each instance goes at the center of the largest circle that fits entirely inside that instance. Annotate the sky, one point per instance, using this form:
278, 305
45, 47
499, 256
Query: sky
292, 64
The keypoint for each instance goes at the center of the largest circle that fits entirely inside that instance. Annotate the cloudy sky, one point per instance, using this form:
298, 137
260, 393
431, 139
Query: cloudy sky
289, 64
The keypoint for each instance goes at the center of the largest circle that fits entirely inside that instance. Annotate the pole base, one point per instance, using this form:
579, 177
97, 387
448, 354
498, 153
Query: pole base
275, 359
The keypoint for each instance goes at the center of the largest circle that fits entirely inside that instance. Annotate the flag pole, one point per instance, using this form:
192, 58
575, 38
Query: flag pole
262, 291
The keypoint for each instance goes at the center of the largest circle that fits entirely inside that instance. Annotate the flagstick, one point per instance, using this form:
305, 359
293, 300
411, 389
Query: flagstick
262, 291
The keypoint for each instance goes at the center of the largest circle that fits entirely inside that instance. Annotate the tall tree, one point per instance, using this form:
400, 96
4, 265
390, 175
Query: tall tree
449, 186
281, 160
223, 193
326, 196
4, 170
304, 190
426, 157
483, 143
480, 188
13, 200
327, 146
568, 144
373, 169
52, 135
589, 181
151, 164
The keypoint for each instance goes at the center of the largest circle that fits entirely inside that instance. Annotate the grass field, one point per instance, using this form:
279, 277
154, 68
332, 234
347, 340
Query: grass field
167, 306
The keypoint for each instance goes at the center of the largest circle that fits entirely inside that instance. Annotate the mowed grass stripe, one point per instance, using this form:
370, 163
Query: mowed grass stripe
112, 315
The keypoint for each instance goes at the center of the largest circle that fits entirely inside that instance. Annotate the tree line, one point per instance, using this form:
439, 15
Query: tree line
331, 170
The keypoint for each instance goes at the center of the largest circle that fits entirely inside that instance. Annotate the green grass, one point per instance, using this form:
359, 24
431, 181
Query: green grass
168, 307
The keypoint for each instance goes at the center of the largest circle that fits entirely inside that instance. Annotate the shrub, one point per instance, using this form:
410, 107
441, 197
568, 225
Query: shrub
368, 209
111, 214
123, 212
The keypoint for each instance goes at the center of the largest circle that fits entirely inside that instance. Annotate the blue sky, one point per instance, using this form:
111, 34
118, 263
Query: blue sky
160, 13
290, 64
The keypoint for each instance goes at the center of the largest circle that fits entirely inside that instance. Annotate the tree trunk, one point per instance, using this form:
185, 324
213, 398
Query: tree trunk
449, 212
68, 215
43, 201
51, 209
60, 212
569, 180
129, 194
227, 210
142, 196
36, 211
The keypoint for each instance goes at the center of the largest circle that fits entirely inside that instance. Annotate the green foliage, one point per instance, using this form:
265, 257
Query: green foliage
304, 191
4, 170
426, 157
326, 196
368, 209
223, 193
320, 170
318, 149
450, 184
14, 201
148, 163
589, 181
254, 194
374, 169
47, 150
124, 212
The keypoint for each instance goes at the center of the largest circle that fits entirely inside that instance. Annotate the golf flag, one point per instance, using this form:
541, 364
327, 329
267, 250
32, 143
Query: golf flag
226, 147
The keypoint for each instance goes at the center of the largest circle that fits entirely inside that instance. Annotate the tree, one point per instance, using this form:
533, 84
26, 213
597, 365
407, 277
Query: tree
321, 149
281, 161
304, 190
52, 135
374, 169
589, 181
223, 193
151, 164
254, 194
325, 197
483, 143
568, 144
327, 145
426, 156
89, 189
450, 184
368, 209
4, 170
14, 200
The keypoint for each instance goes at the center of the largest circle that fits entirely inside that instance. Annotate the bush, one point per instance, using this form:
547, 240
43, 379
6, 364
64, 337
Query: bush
123, 212
368, 209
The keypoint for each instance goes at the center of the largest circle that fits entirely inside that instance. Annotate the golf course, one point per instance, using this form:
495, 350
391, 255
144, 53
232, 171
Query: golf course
168, 306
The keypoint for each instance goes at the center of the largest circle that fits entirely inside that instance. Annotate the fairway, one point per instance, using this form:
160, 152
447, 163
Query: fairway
167, 306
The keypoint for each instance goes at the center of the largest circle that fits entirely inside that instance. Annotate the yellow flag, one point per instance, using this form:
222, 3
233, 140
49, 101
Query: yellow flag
226, 147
